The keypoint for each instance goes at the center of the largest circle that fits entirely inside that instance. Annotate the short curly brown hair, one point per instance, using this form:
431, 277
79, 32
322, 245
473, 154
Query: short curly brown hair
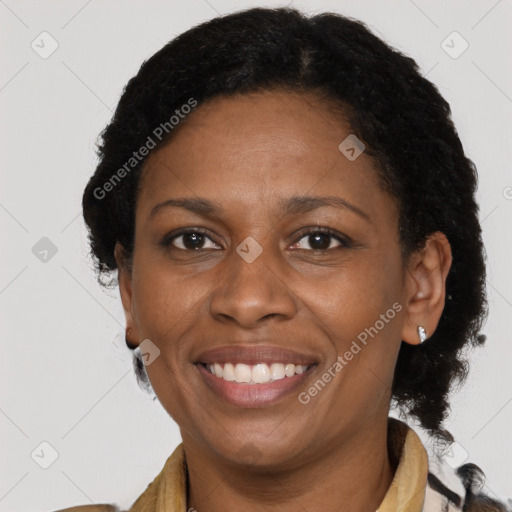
400, 116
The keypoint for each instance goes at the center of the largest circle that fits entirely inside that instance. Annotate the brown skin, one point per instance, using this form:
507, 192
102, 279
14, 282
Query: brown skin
248, 152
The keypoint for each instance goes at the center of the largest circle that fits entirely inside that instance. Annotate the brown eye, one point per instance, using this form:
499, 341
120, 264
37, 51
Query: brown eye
188, 240
321, 239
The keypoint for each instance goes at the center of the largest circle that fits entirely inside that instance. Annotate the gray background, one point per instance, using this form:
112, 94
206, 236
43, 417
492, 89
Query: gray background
67, 378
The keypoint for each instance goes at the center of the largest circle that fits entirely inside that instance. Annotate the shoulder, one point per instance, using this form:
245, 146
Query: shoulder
465, 495
451, 487
91, 508
171, 480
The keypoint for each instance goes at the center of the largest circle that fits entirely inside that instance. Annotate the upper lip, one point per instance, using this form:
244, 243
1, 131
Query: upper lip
254, 354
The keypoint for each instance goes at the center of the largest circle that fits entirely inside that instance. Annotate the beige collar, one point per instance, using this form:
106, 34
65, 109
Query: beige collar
168, 491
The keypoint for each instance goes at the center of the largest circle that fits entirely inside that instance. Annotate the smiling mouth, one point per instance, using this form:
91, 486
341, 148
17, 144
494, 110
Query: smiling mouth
260, 373
262, 390
255, 375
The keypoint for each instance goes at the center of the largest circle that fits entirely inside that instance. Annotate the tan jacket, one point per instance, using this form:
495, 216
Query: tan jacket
413, 489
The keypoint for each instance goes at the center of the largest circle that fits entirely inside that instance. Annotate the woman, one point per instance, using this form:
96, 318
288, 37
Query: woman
293, 222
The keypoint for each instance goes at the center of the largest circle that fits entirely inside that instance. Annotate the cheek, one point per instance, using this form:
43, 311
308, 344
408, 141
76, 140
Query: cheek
157, 308
355, 295
359, 309
165, 299
166, 307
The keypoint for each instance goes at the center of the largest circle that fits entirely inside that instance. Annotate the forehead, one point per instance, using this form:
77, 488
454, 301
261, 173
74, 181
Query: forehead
262, 147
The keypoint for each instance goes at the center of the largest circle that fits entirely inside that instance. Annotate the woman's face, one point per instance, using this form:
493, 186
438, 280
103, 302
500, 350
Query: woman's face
253, 280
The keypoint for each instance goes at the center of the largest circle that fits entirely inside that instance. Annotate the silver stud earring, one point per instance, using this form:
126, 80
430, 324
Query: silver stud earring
422, 333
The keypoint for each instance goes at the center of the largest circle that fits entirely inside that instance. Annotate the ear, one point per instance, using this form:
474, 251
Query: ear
124, 277
425, 287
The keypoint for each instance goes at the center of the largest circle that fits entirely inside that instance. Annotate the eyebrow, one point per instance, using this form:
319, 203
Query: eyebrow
292, 206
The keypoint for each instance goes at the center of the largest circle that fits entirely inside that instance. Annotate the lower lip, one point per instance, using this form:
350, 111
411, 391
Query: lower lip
253, 395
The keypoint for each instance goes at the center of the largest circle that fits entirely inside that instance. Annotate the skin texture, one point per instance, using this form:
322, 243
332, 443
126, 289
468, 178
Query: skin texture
248, 152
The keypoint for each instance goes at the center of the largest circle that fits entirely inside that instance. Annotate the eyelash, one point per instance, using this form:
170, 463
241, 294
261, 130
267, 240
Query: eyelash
345, 241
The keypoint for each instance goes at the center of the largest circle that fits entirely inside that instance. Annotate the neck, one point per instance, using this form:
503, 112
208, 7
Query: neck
352, 475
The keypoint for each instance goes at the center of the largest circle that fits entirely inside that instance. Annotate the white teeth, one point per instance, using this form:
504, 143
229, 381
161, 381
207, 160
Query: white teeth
229, 372
256, 374
289, 370
218, 369
299, 369
243, 373
277, 371
260, 373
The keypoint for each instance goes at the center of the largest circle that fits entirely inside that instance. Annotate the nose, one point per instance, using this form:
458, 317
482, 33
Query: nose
252, 291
